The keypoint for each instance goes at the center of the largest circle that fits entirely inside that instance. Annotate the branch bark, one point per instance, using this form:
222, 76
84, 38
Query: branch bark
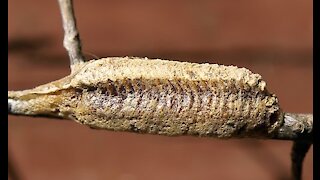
295, 127
71, 41
299, 151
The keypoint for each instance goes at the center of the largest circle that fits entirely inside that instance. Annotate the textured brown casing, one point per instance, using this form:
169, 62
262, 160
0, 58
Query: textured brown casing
159, 97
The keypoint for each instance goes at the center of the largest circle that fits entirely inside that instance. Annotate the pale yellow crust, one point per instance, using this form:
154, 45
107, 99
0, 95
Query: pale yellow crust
158, 97
115, 68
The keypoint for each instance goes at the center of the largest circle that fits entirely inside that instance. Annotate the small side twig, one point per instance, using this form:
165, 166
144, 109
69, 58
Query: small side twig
299, 128
71, 40
295, 127
299, 150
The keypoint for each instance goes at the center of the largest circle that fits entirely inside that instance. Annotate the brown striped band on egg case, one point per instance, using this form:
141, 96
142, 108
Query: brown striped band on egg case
159, 97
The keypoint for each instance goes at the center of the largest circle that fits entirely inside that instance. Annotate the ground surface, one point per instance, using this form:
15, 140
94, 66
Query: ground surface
272, 38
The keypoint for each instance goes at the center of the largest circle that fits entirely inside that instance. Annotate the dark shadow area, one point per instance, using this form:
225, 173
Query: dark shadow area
35, 50
28, 44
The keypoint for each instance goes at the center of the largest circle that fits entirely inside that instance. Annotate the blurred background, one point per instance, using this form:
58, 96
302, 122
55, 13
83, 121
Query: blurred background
269, 37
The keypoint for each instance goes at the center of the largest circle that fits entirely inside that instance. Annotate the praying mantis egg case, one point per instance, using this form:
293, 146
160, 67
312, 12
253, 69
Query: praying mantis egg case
158, 97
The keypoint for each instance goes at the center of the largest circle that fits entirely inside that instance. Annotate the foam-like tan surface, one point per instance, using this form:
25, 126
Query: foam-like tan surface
114, 68
158, 97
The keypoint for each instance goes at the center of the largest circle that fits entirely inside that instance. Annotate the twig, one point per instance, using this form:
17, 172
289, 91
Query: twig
296, 127
293, 129
299, 150
292, 126
71, 36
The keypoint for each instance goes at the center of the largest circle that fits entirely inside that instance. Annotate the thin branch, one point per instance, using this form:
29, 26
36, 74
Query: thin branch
297, 127
71, 35
299, 151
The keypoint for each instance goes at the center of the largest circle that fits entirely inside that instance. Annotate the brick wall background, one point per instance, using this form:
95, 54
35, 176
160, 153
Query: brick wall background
272, 38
